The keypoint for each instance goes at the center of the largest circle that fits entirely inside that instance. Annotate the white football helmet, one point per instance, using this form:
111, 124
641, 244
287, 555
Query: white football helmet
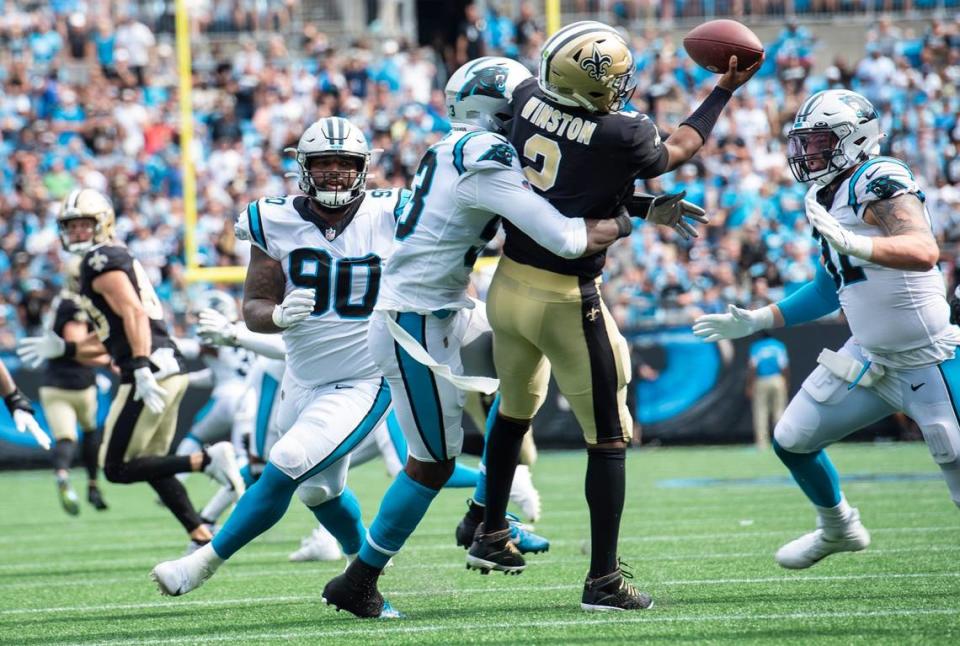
218, 300
86, 203
333, 136
833, 131
479, 92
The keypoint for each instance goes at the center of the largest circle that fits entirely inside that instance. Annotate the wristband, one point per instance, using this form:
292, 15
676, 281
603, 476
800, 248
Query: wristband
624, 223
69, 349
18, 401
704, 118
140, 362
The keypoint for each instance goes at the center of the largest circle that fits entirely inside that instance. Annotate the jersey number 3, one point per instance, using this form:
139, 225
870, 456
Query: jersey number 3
315, 269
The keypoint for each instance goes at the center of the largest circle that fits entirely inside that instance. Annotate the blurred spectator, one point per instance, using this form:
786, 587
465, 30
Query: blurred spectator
767, 384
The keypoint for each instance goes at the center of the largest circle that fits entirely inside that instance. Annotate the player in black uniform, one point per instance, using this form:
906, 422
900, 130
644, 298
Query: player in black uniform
128, 324
581, 152
69, 397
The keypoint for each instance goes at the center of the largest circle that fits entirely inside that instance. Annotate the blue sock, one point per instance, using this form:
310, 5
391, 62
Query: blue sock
463, 477
480, 492
403, 506
258, 510
248, 478
814, 473
341, 517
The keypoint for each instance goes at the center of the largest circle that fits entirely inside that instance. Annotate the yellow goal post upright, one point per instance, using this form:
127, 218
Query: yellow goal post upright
194, 272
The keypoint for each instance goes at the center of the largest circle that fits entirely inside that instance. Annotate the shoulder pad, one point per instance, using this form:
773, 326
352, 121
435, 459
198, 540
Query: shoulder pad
104, 258
481, 150
881, 178
249, 226
403, 196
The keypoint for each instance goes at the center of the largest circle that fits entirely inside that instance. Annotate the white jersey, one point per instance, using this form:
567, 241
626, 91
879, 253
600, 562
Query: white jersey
900, 318
330, 346
465, 182
229, 367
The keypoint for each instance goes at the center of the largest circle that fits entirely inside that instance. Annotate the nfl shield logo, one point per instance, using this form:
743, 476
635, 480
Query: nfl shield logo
330, 234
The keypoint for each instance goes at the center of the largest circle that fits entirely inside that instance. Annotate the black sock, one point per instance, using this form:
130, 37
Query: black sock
91, 450
503, 452
206, 460
63, 452
605, 489
174, 496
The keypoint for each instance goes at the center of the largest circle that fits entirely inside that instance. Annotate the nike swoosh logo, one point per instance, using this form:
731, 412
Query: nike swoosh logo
869, 175
917, 387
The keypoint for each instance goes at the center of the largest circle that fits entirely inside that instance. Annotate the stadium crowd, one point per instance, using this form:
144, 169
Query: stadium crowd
96, 105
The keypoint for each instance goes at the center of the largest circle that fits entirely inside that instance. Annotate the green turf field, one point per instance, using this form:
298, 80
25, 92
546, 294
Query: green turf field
703, 550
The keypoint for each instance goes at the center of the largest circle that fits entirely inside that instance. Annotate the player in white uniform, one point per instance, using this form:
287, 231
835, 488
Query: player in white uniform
879, 263
314, 275
464, 184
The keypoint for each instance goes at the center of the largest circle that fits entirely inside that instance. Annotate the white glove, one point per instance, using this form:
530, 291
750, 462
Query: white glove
216, 329
34, 350
147, 389
27, 423
297, 306
736, 323
843, 240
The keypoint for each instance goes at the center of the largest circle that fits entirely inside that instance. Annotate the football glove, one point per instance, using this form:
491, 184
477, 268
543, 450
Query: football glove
296, 306
34, 350
22, 413
843, 240
149, 390
735, 324
669, 210
216, 329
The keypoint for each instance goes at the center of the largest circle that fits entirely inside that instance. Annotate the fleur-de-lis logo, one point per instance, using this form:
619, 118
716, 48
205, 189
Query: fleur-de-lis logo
97, 261
597, 64
593, 313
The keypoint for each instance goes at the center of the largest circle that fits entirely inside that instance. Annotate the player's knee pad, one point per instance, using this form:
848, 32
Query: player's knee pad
788, 438
317, 491
943, 440
289, 456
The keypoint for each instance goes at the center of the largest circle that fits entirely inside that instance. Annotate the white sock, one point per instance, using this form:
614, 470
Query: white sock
224, 497
832, 517
209, 556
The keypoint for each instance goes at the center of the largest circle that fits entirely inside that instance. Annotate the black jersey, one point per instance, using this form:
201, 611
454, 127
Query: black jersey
68, 374
107, 323
584, 163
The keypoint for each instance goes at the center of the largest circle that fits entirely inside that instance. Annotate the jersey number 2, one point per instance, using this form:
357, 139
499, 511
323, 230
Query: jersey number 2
314, 268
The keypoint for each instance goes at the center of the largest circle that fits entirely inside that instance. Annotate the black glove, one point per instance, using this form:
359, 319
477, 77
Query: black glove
18, 401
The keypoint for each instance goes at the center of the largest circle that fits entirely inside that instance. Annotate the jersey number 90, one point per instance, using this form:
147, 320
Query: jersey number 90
333, 280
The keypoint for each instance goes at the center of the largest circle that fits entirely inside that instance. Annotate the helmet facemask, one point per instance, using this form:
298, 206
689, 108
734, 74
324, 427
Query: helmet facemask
68, 232
816, 154
330, 182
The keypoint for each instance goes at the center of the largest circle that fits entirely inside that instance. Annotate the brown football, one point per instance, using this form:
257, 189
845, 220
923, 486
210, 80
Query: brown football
712, 44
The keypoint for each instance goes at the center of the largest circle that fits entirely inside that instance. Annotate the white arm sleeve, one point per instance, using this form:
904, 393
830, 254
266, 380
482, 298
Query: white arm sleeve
266, 345
200, 378
503, 192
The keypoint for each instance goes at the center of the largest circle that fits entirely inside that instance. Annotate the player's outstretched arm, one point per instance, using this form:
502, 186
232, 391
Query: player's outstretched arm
20, 409
694, 131
214, 328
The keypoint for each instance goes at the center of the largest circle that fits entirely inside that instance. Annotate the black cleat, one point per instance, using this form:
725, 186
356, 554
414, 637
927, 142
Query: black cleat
494, 551
356, 592
467, 527
612, 593
95, 498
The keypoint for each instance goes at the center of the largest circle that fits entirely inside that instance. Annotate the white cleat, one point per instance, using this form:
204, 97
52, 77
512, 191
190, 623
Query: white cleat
186, 574
817, 545
524, 495
319, 546
223, 467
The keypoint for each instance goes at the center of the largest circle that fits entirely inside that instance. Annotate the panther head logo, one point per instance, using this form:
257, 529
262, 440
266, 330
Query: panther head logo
487, 81
597, 64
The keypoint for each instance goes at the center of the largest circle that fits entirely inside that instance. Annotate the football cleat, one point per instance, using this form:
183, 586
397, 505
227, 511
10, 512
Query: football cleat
524, 495
494, 551
185, 574
319, 546
68, 497
521, 535
356, 592
95, 498
223, 466
612, 593
811, 548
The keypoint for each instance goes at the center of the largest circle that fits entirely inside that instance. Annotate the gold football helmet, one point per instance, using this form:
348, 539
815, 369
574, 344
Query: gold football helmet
588, 64
86, 203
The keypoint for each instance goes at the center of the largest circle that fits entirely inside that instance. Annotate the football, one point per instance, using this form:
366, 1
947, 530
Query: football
712, 44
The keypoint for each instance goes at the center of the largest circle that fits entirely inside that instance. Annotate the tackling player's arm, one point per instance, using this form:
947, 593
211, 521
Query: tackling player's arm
684, 142
88, 348
262, 291
908, 241
121, 295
